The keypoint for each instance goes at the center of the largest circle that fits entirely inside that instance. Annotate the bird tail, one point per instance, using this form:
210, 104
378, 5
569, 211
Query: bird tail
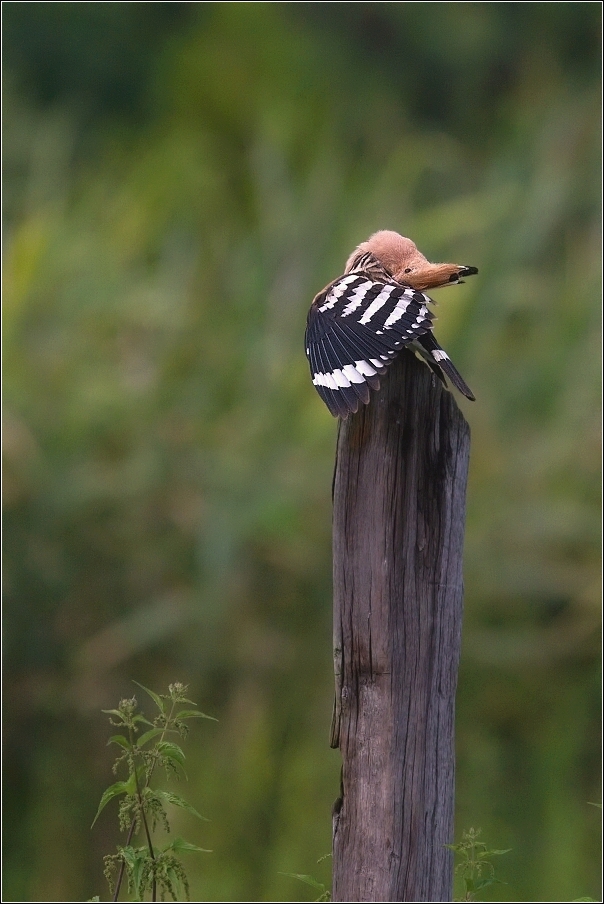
439, 357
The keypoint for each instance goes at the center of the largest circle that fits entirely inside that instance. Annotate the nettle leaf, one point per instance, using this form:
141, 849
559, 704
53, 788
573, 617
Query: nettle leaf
152, 733
141, 773
180, 846
119, 739
113, 791
172, 752
178, 801
484, 883
308, 880
131, 783
193, 714
137, 872
155, 697
129, 854
135, 858
176, 887
141, 718
114, 712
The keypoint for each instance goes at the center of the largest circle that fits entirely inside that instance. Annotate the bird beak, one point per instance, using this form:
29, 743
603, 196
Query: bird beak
434, 275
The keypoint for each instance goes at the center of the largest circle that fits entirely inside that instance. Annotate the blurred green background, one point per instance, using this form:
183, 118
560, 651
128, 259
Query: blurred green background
180, 179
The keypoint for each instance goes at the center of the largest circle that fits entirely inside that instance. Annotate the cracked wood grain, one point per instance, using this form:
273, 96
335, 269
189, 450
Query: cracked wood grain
398, 526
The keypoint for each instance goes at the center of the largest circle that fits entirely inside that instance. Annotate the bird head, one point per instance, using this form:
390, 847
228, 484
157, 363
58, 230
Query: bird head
406, 264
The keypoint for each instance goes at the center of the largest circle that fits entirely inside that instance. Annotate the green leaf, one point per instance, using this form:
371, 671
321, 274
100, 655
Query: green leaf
484, 883
155, 697
129, 855
119, 739
130, 783
308, 880
134, 859
141, 718
178, 801
176, 888
193, 714
137, 872
172, 751
113, 791
152, 733
114, 712
179, 846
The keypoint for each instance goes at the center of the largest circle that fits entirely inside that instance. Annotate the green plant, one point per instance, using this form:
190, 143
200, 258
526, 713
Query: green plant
475, 868
149, 868
325, 894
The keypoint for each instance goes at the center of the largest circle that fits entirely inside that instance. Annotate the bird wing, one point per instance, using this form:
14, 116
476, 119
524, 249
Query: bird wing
355, 328
437, 358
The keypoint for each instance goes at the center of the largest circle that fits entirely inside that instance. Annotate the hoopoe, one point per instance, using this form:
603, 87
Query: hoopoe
359, 323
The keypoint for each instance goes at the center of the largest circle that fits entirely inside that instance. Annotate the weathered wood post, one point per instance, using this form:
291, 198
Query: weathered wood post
398, 527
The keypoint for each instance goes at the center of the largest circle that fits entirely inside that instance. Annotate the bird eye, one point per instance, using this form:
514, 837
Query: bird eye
408, 270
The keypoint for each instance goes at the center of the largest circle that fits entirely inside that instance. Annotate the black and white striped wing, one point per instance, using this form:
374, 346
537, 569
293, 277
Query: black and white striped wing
355, 328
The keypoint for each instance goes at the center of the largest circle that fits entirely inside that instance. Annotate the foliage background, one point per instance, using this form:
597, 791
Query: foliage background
179, 181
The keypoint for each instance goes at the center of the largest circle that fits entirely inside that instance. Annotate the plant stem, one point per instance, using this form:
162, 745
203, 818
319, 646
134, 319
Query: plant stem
120, 877
139, 794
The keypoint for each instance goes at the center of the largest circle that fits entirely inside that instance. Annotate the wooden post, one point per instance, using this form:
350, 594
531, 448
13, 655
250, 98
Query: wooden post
398, 526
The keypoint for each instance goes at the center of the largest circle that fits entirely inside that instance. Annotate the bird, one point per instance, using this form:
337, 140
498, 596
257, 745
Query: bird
360, 322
